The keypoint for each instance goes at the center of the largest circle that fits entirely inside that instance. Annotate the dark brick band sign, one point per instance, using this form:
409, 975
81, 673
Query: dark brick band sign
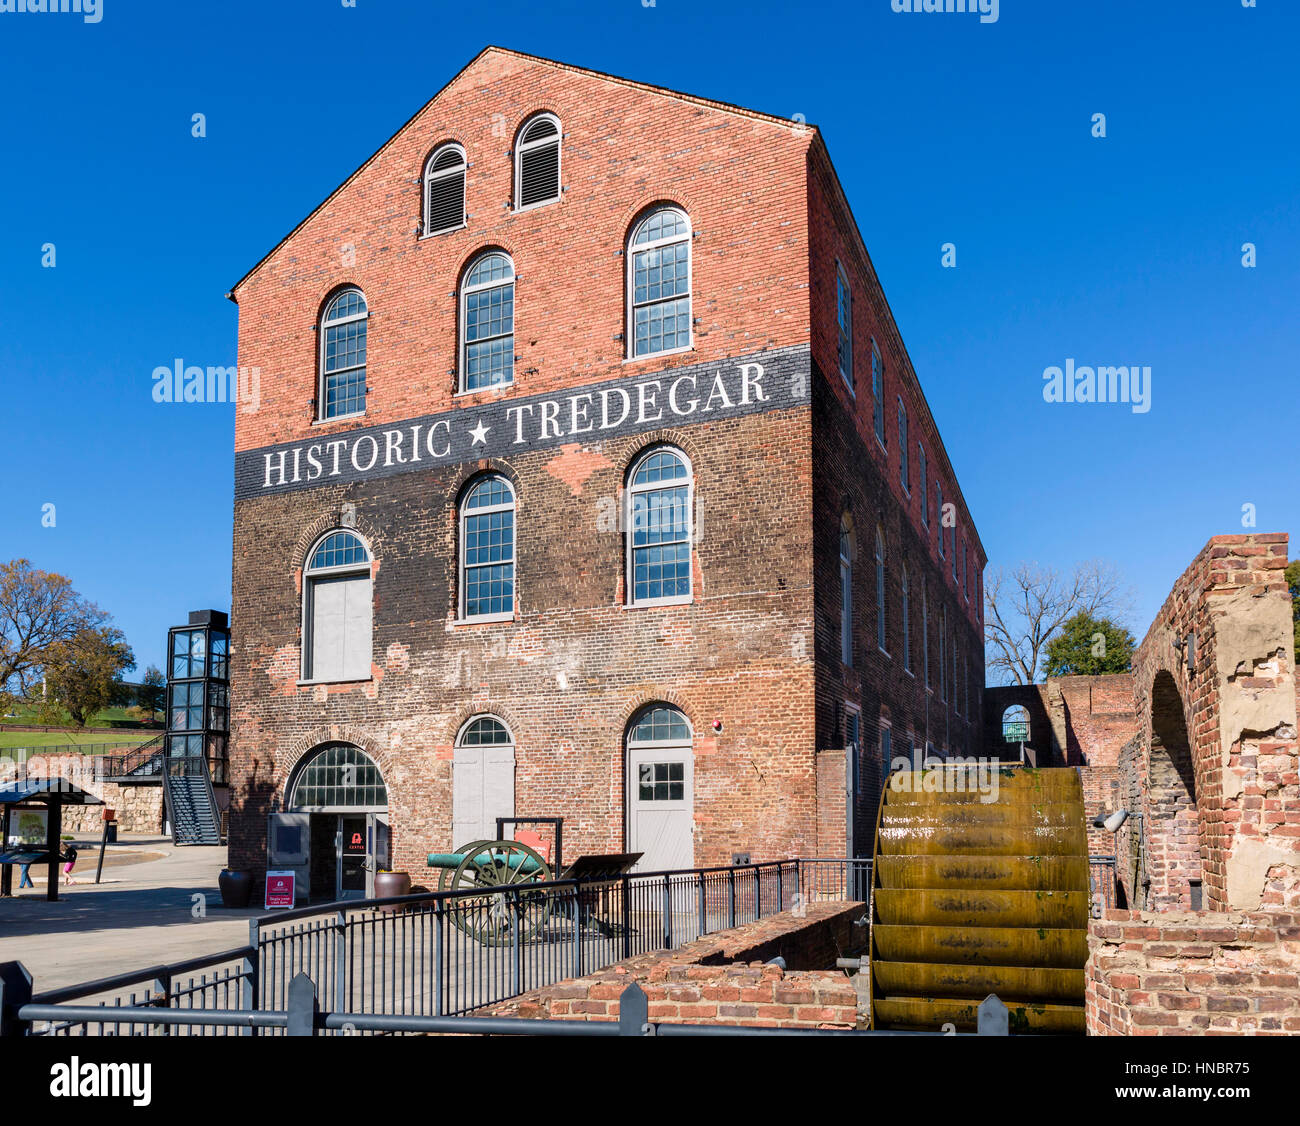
683, 396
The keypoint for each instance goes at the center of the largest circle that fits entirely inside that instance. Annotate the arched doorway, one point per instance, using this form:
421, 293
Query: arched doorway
661, 789
1173, 829
341, 792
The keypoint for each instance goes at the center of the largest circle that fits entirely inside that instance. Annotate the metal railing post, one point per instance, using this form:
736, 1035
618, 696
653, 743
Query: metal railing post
254, 940
992, 1018
302, 1006
438, 914
634, 1012
780, 887
731, 881
163, 1000
703, 903
577, 931
668, 913
627, 916
248, 992
340, 962
15, 991
516, 948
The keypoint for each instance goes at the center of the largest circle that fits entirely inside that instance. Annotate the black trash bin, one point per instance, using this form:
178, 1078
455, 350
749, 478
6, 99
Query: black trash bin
110, 836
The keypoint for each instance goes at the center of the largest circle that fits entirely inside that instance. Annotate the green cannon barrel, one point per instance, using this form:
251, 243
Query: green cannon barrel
980, 886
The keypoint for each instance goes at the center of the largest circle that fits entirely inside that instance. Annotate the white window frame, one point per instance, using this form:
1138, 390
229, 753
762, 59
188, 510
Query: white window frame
309, 577
844, 333
430, 175
924, 485
903, 475
632, 491
882, 635
630, 252
846, 591
907, 622
485, 510
878, 395
527, 146
460, 735
482, 287
326, 322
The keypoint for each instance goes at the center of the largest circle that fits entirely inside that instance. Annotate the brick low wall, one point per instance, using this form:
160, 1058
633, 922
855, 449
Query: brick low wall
1193, 973
723, 978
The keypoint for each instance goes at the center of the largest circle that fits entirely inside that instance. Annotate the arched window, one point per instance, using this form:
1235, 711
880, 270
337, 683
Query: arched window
907, 624
880, 590
444, 190
337, 610
487, 537
1015, 724
338, 776
660, 503
487, 317
902, 446
343, 355
846, 589
659, 283
537, 162
483, 779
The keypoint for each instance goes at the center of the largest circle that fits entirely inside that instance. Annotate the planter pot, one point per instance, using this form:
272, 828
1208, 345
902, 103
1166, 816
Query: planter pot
392, 883
236, 887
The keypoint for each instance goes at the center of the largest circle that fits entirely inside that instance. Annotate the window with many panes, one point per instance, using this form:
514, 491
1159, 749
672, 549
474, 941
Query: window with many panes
189, 654
902, 444
880, 589
343, 355
186, 706
660, 500
659, 283
846, 590
487, 535
339, 776
844, 324
920, 477
877, 393
487, 317
662, 727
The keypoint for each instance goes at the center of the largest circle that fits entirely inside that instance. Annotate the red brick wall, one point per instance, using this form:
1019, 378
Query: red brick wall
723, 979
575, 664
1216, 774
1180, 974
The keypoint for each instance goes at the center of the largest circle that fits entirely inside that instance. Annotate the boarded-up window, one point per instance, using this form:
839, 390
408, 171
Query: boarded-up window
337, 645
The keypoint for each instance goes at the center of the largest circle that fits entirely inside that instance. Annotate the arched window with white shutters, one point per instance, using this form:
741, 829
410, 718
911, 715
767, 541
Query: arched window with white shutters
337, 614
659, 284
444, 190
537, 162
483, 779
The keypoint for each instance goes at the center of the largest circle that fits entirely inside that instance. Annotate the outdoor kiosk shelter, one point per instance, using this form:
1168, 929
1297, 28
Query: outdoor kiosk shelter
51, 795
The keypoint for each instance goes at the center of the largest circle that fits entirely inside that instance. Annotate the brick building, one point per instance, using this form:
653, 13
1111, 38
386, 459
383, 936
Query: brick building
590, 477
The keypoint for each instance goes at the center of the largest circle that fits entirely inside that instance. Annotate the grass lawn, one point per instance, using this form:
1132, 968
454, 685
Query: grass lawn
125, 738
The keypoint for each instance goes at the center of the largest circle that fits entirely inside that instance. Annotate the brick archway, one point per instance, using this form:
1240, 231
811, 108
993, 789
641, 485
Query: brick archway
1173, 833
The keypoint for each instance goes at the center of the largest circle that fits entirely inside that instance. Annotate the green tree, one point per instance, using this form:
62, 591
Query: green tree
152, 691
1088, 645
84, 675
1293, 582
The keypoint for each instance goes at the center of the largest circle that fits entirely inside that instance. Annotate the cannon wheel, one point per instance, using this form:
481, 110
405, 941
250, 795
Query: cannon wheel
492, 920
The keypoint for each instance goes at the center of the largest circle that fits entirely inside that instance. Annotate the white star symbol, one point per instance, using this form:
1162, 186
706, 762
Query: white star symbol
479, 433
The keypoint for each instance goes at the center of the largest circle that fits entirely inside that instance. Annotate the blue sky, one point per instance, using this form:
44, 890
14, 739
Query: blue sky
1125, 250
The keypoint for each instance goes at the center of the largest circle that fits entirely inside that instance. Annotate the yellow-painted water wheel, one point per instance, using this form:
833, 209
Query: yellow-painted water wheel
973, 896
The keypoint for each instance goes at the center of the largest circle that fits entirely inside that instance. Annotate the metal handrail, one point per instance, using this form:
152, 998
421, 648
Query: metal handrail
138, 977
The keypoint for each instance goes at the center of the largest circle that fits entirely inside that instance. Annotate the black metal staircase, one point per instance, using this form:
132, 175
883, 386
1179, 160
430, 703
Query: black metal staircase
191, 804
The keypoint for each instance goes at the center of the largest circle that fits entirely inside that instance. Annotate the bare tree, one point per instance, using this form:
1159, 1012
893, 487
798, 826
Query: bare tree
1026, 607
39, 611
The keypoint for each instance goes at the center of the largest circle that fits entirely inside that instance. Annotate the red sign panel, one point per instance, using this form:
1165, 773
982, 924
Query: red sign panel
279, 890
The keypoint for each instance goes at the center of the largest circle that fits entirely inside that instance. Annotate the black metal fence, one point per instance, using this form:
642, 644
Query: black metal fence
439, 954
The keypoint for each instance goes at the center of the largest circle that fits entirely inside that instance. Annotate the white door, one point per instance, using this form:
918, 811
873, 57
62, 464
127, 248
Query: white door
661, 807
482, 789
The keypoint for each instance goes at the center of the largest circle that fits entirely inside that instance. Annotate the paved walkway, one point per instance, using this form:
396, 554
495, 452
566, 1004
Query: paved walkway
141, 915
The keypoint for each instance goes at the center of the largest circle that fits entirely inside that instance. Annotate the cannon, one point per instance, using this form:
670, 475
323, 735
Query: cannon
496, 920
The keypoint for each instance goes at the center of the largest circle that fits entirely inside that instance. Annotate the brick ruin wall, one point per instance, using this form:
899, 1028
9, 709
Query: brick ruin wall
724, 978
1193, 973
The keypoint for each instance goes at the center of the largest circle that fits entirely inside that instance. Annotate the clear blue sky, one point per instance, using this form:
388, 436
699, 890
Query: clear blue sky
1115, 251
